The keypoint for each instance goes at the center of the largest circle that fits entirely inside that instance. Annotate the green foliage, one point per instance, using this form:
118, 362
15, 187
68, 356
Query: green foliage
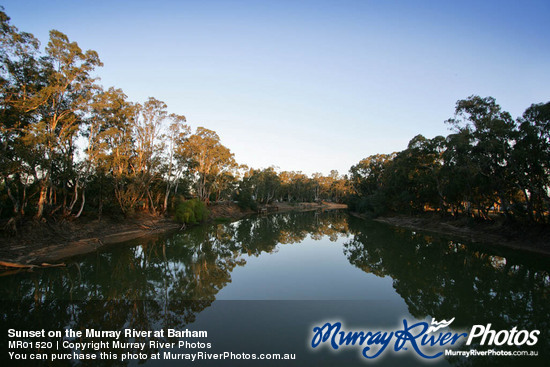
222, 220
489, 165
190, 211
372, 205
138, 156
209, 160
244, 198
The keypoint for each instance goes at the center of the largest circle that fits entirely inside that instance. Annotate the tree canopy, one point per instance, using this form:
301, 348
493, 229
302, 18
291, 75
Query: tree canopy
490, 165
69, 147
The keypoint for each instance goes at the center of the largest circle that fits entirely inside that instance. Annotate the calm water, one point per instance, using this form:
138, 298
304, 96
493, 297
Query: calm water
261, 284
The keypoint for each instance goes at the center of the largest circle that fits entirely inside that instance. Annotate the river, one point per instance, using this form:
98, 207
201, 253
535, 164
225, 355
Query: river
261, 284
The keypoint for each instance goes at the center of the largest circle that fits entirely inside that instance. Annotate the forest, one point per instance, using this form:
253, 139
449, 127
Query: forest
490, 166
70, 148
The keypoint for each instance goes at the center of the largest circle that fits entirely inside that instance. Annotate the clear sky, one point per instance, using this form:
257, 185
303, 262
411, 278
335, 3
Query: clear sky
310, 85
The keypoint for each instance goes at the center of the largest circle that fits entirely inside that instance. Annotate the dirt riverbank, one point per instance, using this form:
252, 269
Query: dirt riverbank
530, 239
46, 244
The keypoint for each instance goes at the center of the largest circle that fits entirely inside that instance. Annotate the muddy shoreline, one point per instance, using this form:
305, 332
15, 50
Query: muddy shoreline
530, 239
49, 244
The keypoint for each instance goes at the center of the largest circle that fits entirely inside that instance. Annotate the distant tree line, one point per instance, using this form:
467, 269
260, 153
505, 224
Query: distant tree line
265, 186
69, 147
490, 165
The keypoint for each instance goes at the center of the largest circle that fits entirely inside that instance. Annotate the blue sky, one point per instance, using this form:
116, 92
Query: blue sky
310, 85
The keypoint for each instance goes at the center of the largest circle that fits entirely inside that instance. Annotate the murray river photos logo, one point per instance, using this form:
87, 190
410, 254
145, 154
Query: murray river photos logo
426, 340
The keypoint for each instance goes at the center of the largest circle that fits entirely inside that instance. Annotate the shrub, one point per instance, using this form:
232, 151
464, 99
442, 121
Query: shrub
245, 200
372, 205
190, 211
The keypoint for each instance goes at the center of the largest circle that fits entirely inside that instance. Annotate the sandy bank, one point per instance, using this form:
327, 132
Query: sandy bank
46, 244
530, 239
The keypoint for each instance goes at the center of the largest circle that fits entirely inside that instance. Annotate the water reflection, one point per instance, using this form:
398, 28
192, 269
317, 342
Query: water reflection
190, 265
442, 278
166, 282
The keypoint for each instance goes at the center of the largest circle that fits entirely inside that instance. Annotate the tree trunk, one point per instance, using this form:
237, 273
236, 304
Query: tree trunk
151, 201
100, 205
528, 200
41, 201
14, 200
81, 205
75, 197
165, 209
24, 205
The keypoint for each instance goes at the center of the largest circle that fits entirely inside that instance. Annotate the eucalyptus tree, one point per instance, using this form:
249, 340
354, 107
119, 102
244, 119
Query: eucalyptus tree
110, 150
297, 186
20, 79
178, 132
340, 186
366, 176
531, 160
149, 146
208, 160
332, 187
425, 160
322, 186
285, 192
60, 107
460, 172
366, 184
489, 134
265, 184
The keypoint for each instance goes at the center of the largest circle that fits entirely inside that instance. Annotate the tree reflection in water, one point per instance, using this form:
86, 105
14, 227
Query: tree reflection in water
445, 279
160, 283
167, 281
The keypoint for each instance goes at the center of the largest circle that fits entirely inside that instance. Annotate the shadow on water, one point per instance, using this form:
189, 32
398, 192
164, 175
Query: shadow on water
173, 281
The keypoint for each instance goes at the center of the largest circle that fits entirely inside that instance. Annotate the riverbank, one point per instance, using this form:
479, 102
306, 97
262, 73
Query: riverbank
530, 239
233, 212
41, 244
46, 244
